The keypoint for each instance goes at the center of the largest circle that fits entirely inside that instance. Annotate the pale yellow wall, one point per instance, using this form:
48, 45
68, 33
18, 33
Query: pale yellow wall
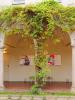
16, 72
63, 71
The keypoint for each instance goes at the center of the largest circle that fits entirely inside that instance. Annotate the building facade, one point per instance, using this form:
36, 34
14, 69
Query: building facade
11, 69
10, 2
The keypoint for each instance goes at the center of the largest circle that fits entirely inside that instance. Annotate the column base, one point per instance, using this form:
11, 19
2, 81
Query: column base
73, 89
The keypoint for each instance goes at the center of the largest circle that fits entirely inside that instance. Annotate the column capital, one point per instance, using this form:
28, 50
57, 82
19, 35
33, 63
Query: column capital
72, 37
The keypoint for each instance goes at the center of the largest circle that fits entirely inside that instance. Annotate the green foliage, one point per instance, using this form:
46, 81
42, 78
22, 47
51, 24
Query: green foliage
41, 75
35, 89
41, 61
37, 20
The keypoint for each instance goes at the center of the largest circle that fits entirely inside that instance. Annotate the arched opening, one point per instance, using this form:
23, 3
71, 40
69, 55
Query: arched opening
60, 73
16, 75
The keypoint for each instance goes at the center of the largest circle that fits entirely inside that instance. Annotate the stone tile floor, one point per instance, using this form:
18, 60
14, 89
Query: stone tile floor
18, 97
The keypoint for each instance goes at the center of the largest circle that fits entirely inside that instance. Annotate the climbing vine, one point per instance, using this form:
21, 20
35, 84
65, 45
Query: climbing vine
38, 21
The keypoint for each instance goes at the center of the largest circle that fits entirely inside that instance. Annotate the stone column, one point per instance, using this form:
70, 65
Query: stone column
1, 61
72, 36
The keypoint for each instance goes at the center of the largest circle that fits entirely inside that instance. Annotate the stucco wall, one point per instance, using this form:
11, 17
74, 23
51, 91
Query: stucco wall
5, 2
13, 71
10, 2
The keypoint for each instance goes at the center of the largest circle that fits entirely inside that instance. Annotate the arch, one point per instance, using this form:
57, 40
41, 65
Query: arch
65, 40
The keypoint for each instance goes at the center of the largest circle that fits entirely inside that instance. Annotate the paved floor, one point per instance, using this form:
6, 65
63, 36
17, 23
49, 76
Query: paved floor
18, 97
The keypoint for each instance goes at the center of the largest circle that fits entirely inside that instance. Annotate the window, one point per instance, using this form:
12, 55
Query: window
18, 1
